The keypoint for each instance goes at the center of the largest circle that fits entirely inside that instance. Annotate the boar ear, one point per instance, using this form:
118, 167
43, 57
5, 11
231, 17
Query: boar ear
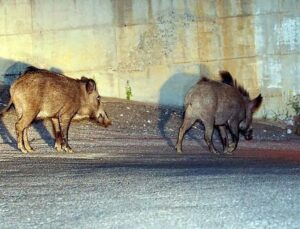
90, 86
255, 103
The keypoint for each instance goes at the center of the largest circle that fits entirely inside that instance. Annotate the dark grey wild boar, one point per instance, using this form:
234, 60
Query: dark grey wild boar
41, 94
223, 104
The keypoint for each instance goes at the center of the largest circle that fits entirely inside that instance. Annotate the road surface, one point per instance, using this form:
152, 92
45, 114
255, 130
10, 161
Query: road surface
125, 180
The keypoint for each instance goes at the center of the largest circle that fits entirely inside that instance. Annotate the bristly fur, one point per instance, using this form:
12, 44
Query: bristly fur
203, 79
228, 79
31, 69
242, 90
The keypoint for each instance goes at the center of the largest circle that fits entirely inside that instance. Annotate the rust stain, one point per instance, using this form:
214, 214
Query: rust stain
237, 35
123, 12
270, 155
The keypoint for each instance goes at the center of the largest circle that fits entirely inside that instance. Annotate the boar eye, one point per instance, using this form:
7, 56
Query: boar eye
98, 97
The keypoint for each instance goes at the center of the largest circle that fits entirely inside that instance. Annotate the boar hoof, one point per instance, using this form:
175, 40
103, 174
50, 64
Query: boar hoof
231, 148
23, 150
58, 148
216, 153
227, 151
213, 151
30, 150
178, 149
68, 149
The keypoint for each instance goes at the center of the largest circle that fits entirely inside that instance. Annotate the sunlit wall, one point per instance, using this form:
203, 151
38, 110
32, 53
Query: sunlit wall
161, 46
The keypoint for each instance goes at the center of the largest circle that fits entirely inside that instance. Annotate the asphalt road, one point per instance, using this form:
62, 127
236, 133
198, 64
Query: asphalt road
138, 182
123, 178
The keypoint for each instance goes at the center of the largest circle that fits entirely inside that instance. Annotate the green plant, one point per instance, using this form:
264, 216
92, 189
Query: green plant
265, 116
294, 102
287, 115
276, 116
128, 90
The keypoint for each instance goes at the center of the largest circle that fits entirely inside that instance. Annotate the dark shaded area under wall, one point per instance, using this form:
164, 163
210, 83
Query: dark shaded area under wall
11, 70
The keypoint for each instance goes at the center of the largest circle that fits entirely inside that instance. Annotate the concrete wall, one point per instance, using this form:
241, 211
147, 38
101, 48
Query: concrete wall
160, 46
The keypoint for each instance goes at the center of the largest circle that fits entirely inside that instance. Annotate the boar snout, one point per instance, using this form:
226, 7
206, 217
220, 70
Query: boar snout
103, 120
243, 126
248, 134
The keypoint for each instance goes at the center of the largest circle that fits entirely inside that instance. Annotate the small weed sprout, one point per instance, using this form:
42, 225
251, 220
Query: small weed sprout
265, 116
128, 90
276, 116
294, 102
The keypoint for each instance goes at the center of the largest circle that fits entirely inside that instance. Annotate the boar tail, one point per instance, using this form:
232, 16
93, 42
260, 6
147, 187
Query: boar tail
6, 108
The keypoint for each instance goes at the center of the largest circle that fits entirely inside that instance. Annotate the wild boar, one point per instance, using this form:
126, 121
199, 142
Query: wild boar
223, 104
41, 94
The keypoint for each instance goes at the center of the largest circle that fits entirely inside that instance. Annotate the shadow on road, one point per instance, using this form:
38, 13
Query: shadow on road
11, 70
173, 92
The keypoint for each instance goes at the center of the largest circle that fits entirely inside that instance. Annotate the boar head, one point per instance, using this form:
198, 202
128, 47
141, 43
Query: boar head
246, 124
93, 107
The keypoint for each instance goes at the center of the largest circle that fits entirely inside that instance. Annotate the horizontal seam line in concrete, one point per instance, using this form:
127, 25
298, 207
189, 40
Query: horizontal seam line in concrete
251, 57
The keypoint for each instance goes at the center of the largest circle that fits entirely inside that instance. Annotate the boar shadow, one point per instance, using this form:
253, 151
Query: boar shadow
171, 101
6, 135
9, 71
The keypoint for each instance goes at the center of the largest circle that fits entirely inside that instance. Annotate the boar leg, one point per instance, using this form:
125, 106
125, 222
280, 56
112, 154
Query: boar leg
187, 123
21, 125
228, 145
26, 142
64, 124
20, 144
209, 129
224, 137
234, 129
57, 134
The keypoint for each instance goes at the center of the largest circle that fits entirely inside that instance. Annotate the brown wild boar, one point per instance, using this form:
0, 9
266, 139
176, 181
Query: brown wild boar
41, 94
223, 104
